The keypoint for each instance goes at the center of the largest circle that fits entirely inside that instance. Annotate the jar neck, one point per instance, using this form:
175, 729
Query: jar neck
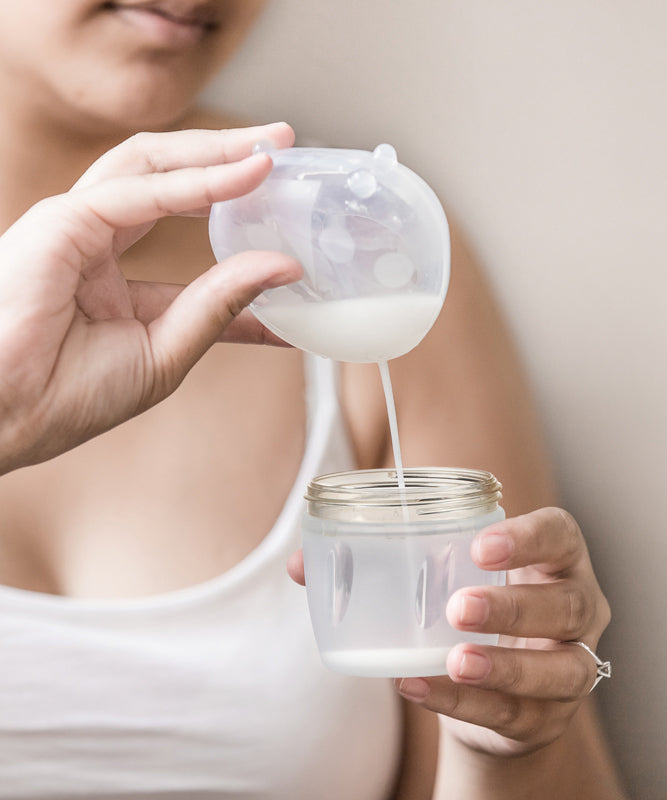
430, 493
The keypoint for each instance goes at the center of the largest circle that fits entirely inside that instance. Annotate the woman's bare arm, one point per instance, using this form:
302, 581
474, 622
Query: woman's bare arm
463, 401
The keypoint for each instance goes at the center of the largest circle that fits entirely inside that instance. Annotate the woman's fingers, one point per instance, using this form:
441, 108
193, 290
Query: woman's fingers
197, 316
521, 719
150, 299
162, 152
138, 199
247, 329
295, 567
563, 673
553, 593
549, 539
561, 610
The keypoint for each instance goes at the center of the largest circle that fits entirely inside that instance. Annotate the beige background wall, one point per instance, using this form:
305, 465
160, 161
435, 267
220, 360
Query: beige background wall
540, 125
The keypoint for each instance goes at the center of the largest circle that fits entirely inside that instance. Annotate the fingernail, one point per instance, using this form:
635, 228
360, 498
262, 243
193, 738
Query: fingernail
474, 666
470, 610
413, 688
493, 548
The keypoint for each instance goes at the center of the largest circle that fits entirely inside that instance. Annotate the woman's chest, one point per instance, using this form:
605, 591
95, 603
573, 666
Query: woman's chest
173, 497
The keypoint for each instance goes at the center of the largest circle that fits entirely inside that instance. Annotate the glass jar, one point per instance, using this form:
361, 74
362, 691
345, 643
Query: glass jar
381, 565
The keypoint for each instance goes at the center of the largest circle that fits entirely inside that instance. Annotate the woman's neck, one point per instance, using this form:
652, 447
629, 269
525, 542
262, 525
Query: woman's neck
40, 157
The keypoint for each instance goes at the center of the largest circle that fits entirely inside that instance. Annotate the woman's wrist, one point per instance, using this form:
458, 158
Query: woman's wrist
575, 765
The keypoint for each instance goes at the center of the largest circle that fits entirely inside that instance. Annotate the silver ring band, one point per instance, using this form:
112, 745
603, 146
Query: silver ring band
603, 667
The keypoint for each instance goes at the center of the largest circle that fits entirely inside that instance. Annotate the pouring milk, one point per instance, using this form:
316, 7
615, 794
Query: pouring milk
374, 244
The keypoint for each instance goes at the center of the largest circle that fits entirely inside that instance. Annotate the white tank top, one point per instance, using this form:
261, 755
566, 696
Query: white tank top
214, 691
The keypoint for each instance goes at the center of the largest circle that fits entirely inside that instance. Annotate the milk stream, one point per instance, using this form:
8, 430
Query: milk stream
357, 329
393, 430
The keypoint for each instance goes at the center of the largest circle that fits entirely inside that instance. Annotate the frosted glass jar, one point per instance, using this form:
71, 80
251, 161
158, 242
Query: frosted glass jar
380, 568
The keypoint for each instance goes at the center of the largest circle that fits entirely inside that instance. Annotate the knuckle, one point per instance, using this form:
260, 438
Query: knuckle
160, 199
531, 728
226, 302
509, 716
570, 533
578, 681
576, 611
232, 306
231, 311
514, 612
515, 675
455, 705
449, 699
143, 144
537, 723
210, 186
604, 613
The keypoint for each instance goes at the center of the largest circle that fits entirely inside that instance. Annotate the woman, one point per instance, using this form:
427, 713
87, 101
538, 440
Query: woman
152, 644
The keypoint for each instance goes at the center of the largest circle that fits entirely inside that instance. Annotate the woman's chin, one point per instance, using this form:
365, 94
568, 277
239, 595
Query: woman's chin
110, 114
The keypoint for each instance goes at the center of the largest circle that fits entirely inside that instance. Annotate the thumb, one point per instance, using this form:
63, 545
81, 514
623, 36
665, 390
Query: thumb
195, 319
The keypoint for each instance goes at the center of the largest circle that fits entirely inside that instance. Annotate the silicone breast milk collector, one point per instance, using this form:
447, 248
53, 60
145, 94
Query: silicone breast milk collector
373, 241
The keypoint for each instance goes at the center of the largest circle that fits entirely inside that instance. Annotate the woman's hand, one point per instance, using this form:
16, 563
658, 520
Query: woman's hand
519, 696
81, 348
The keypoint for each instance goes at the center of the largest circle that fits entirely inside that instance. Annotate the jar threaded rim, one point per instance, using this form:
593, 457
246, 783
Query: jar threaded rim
432, 490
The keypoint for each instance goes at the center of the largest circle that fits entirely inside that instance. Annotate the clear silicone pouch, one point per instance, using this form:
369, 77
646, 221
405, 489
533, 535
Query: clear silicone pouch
372, 238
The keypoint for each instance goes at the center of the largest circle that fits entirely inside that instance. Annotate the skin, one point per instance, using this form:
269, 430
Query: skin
72, 89
78, 307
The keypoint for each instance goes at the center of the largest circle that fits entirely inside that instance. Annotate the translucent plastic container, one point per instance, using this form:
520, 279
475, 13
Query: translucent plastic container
372, 238
381, 568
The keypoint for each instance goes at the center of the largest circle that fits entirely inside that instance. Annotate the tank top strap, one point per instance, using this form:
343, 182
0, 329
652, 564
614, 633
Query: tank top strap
327, 433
